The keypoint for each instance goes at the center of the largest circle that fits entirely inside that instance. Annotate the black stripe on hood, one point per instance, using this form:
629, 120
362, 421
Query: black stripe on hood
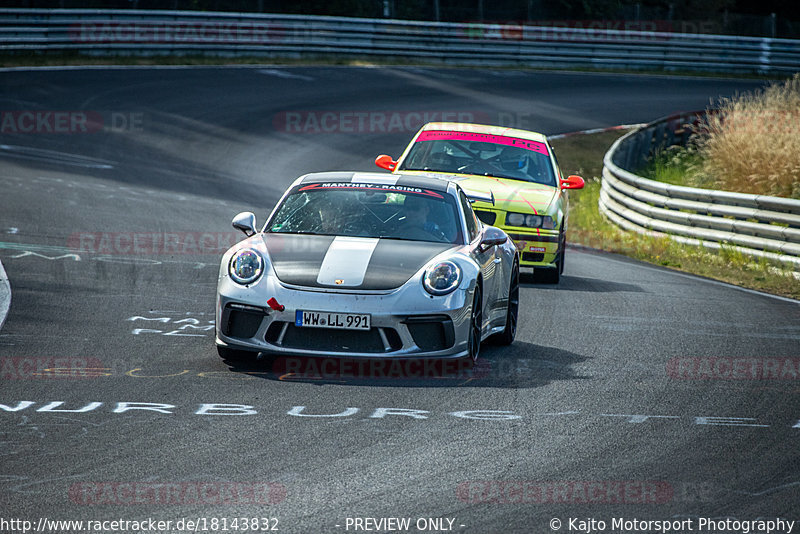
395, 261
297, 259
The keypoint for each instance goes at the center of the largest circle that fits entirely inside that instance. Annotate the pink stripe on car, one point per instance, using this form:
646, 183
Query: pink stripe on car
439, 135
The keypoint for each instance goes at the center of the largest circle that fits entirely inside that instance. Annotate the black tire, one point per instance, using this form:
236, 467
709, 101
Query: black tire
475, 323
506, 337
546, 276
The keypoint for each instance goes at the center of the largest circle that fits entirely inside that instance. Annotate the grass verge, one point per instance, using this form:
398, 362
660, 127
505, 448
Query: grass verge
677, 165
752, 145
583, 154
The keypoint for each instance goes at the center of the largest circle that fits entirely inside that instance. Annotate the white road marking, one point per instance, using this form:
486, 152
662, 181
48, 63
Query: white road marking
297, 411
52, 407
280, 73
639, 420
137, 331
186, 325
636, 419
596, 130
157, 319
28, 249
62, 257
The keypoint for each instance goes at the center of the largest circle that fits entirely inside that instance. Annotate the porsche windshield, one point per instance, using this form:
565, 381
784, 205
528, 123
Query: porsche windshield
485, 155
368, 210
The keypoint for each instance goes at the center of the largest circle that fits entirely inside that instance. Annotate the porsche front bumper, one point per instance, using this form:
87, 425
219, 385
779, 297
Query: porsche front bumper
405, 323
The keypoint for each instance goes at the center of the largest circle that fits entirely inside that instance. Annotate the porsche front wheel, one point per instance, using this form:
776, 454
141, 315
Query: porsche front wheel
506, 337
475, 323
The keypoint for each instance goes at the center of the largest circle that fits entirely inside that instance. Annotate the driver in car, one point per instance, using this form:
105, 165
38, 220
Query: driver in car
518, 164
340, 215
415, 224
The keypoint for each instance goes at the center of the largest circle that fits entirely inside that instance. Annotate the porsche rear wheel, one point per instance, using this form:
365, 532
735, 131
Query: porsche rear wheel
506, 337
475, 323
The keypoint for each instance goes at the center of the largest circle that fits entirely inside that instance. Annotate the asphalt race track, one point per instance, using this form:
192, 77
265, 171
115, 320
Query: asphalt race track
631, 392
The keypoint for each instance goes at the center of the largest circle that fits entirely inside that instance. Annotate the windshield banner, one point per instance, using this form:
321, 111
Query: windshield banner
442, 135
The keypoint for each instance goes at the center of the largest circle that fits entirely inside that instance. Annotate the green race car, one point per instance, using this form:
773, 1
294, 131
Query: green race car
517, 167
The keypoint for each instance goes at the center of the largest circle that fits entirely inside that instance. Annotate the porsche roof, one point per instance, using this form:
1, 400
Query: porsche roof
398, 180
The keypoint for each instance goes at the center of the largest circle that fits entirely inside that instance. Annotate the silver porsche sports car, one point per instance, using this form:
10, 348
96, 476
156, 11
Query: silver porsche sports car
368, 265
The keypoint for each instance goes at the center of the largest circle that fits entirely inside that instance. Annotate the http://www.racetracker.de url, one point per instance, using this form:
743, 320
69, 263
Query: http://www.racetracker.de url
147, 525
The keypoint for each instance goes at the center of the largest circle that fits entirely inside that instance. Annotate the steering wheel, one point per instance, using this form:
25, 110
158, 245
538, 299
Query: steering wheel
420, 233
470, 165
442, 161
490, 166
434, 230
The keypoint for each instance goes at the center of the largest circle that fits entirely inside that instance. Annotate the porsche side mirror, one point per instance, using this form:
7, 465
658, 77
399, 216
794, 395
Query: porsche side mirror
492, 236
572, 182
385, 162
246, 222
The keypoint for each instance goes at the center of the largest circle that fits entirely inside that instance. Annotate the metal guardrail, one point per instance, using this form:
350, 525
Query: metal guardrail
756, 225
143, 33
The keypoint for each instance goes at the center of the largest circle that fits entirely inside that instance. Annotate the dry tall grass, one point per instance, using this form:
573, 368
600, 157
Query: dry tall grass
753, 144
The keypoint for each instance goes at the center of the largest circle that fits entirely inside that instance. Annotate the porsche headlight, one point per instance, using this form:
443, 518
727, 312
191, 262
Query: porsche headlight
442, 278
530, 220
246, 266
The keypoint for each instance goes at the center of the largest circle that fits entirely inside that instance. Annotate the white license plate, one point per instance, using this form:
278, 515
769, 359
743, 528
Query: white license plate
340, 321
